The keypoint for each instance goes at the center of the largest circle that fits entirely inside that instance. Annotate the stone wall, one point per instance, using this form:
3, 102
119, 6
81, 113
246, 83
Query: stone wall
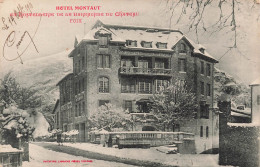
238, 143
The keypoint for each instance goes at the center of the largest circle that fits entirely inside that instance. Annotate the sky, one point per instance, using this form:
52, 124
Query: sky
56, 34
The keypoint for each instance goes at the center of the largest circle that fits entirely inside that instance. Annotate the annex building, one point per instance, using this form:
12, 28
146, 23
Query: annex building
124, 66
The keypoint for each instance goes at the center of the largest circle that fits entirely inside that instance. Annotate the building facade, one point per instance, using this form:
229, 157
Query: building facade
125, 65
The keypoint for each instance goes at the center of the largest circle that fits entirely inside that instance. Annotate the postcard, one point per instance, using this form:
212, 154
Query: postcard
129, 83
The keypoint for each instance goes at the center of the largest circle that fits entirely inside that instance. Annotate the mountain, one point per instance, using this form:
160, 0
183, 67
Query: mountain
226, 85
44, 73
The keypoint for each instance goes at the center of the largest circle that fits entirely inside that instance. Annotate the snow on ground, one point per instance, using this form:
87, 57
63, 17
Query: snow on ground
40, 156
151, 155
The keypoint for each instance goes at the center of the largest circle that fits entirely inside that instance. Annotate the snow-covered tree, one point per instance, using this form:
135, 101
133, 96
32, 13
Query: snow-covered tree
18, 123
173, 102
108, 117
11, 91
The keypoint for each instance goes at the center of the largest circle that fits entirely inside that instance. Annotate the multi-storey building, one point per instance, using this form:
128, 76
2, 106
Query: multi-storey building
125, 65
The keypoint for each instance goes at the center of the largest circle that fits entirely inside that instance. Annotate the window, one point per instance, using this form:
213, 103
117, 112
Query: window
176, 128
103, 61
79, 86
131, 43
127, 63
79, 110
103, 102
103, 85
202, 67
143, 108
207, 132
183, 48
201, 131
146, 44
208, 90
79, 66
103, 41
76, 88
76, 110
208, 70
160, 84
182, 67
143, 64
202, 88
83, 62
128, 86
161, 45
83, 107
204, 111
258, 99
159, 64
128, 106
83, 84
76, 68
145, 86
202, 50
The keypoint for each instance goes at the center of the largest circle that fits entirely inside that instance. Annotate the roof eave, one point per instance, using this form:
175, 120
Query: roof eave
204, 56
147, 49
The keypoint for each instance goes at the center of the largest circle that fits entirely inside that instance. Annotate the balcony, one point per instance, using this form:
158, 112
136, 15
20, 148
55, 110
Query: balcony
144, 71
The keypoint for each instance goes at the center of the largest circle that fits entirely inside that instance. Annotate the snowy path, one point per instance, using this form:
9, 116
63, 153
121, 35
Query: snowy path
40, 156
148, 155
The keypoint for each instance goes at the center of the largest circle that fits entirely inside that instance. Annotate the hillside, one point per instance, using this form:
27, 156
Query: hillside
44, 73
225, 84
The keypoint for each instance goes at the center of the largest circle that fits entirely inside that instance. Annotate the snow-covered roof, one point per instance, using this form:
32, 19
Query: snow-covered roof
139, 34
69, 74
56, 105
256, 82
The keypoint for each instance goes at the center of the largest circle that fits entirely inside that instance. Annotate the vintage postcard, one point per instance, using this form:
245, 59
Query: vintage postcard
129, 83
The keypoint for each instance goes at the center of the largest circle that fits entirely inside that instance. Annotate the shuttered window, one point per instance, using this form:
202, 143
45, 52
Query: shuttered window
182, 65
202, 67
208, 70
103, 61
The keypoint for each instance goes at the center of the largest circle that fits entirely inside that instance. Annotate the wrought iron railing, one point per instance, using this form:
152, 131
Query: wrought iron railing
148, 71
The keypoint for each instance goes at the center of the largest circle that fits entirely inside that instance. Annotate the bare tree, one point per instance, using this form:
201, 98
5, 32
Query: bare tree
225, 17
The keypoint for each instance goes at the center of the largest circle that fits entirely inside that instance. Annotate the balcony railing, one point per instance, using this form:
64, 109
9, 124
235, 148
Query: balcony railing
144, 71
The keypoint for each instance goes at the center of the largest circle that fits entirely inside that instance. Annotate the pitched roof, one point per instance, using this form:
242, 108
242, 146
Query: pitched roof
256, 82
121, 33
66, 76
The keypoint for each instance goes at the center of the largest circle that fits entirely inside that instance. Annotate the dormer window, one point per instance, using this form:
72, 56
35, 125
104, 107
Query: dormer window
131, 43
146, 44
161, 45
183, 48
202, 50
103, 41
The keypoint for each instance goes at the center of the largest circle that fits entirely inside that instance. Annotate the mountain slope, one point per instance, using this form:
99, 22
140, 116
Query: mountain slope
43, 74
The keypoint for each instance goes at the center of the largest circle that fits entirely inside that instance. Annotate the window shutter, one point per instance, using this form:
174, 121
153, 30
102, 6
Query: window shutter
179, 64
185, 65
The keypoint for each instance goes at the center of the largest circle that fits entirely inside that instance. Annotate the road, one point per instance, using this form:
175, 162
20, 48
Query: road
41, 157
